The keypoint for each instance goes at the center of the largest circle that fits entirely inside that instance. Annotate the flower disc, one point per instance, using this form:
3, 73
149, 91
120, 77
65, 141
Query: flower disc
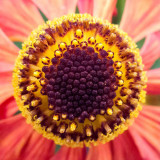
79, 80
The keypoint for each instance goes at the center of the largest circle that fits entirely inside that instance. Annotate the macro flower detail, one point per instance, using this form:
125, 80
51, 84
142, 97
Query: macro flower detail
79, 80
77, 50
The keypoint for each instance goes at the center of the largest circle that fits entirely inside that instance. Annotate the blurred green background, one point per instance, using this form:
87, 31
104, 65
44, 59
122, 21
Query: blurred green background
154, 100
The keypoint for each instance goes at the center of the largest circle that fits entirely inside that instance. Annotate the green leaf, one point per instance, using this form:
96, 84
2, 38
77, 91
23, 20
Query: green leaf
18, 44
77, 10
18, 112
57, 148
120, 8
156, 64
140, 43
43, 16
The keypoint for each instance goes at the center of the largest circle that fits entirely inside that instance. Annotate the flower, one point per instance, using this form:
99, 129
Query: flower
139, 140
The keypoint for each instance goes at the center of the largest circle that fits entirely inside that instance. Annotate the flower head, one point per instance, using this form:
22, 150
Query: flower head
79, 80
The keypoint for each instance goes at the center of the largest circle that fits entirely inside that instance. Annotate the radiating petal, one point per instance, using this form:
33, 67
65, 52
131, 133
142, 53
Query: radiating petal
147, 125
5, 67
18, 18
102, 151
100, 8
124, 148
8, 51
8, 108
150, 51
6, 89
68, 153
140, 18
86, 6
145, 149
19, 141
56, 8
153, 83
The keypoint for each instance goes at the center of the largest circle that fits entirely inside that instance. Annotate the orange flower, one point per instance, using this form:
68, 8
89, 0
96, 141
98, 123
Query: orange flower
18, 140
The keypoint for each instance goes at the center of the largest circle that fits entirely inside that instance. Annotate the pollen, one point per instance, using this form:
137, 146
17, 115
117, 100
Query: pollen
79, 80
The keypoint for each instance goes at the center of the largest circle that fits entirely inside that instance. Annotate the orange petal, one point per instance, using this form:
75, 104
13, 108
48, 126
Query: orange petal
150, 51
67, 153
8, 108
140, 18
56, 8
124, 148
6, 89
4, 67
100, 152
18, 18
19, 141
147, 125
8, 51
153, 84
86, 6
100, 8
146, 151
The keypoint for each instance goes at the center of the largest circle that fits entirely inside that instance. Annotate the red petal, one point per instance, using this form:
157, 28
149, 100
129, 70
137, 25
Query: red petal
147, 125
18, 18
150, 51
6, 90
8, 108
56, 8
8, 51
100, 152
19, 141
68, 153
124, 148
146, 151
100, 8
140, 18
86, 6
4, 67
153, 84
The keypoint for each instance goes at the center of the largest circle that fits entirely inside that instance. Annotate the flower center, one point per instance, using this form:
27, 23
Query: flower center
79, 80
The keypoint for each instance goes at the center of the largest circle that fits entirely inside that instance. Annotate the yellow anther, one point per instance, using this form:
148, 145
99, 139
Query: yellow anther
58, 53
120, 82
45, 60
119, 102
79, 33
37, 74
31, 87
22, 80
64, 116
34, 103
62, 128
92, 118
73, 126
75, 43
109, 111
83, 45
118, 64
62, 46
133, 74
91, 40
51, 107
102, 111
88, 132
56, 117
110, 54
25, 97
133, 101
118, 74
99, 46
43, 81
